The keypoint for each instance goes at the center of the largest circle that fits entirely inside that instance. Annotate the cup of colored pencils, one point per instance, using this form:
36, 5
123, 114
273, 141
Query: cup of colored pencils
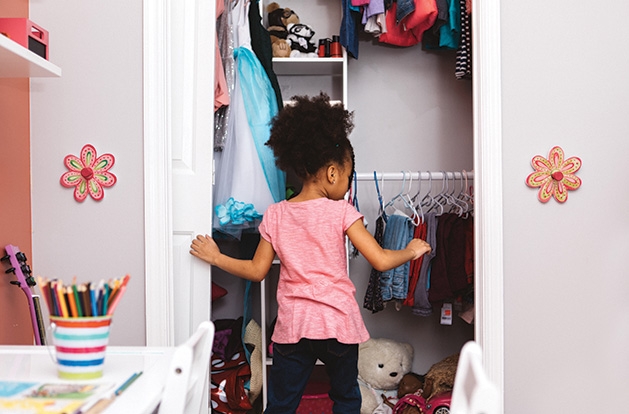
80, 317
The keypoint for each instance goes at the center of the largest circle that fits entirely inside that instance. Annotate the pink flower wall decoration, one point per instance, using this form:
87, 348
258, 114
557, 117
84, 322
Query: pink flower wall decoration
88, 174
554, 176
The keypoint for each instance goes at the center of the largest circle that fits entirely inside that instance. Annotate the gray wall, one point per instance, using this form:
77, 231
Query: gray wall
566, 329
97, 100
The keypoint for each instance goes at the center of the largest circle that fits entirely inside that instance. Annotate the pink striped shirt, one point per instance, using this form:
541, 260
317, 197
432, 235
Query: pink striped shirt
315, 296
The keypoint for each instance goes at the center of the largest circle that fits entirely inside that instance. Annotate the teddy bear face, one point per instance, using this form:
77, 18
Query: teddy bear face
383, 362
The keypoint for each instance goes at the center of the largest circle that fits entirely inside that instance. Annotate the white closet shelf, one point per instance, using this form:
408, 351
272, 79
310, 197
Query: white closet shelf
17, 61
308, 66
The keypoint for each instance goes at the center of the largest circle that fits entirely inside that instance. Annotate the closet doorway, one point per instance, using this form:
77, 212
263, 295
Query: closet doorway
166, 102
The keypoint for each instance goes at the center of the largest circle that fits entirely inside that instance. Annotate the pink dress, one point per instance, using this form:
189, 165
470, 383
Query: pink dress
315, 296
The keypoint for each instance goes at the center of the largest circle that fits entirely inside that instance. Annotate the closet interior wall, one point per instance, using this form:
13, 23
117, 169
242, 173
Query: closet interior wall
411, 114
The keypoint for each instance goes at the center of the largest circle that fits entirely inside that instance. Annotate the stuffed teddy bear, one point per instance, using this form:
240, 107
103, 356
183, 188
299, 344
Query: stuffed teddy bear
289, 37
382, 363
278, 20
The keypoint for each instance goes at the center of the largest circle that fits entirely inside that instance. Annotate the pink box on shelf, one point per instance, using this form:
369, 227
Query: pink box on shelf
25, 33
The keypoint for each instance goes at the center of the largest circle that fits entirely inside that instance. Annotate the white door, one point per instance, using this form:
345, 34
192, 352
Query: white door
192, 52
179, 102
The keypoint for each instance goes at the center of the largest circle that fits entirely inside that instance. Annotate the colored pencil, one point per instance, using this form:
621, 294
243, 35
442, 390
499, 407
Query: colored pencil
43, 286
71, 301
93, 301
105, 298
85, 300
77, 300
115, 285
62, 300
123, 288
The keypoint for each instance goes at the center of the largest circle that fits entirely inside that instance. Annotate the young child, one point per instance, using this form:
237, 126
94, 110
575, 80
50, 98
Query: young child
318, 316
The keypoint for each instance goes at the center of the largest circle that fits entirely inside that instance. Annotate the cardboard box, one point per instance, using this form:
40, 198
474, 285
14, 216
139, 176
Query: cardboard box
25, 33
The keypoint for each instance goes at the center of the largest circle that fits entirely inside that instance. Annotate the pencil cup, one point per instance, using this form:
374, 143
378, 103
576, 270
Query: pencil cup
80, 345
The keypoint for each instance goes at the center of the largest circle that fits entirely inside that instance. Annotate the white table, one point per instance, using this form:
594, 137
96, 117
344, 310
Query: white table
34, 363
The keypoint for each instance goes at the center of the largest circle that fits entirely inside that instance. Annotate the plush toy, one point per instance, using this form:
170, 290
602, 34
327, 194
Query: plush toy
278, 19
289, 37
440, 377
382, 363
300, 39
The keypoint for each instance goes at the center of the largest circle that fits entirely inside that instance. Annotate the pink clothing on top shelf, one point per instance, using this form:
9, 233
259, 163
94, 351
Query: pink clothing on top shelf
315, 296
221, 94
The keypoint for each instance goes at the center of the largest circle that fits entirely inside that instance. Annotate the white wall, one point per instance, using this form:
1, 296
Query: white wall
98, 100
566, 328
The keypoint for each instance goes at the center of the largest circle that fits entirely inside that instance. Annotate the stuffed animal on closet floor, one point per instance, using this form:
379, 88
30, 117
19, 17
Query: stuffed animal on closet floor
410, 387
289, 37
440, 377
382, 363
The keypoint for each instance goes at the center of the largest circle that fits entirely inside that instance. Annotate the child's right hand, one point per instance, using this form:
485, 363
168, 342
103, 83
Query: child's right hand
205, 248
419, 248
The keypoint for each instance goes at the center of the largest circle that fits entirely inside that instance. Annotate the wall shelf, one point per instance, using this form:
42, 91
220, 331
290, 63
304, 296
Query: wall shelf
308, 66
18, 62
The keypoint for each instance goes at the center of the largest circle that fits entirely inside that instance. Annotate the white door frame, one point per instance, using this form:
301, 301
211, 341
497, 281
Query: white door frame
489, 325
157, 175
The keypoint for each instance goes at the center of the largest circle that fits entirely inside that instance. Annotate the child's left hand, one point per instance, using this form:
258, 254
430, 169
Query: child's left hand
205, 248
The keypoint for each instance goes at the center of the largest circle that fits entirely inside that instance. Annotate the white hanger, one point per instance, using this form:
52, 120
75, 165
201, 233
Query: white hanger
464, 195
429, 201
418, 205
439, 200
406, 200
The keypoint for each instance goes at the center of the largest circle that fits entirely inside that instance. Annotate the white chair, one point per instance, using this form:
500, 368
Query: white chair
473, 393
187, 385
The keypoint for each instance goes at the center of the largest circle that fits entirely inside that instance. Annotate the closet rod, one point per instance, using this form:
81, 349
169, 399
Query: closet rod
415, 175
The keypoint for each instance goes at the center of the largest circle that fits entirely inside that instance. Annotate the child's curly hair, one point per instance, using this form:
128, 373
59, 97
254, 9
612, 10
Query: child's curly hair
309, 134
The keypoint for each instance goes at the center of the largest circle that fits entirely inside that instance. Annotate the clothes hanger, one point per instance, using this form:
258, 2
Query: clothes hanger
403, 196
439, 201
418, 206
456, 206
380, 204
463, 195
408, 202
428, 201
460, 199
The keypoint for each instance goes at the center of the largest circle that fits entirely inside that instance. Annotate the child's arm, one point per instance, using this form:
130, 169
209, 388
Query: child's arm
256, 269
383, 259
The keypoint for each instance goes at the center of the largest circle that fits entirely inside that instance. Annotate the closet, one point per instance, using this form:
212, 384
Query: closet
411, 114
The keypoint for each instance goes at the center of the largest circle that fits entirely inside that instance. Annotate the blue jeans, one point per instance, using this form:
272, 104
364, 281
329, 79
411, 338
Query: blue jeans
293, 364
397, 234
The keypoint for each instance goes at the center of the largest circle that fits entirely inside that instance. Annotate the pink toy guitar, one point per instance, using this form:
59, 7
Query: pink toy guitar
25, 281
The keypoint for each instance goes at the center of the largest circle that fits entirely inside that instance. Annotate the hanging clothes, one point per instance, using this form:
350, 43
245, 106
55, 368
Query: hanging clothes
248, 180
463, 69
409, 31
415, 267
421, 305
221, 91
397, 234
349, 29
261, 45
373, 296
448, 275
225, 41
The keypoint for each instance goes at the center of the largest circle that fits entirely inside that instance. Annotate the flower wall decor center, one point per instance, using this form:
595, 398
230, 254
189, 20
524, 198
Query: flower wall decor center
88, 174
555, 176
